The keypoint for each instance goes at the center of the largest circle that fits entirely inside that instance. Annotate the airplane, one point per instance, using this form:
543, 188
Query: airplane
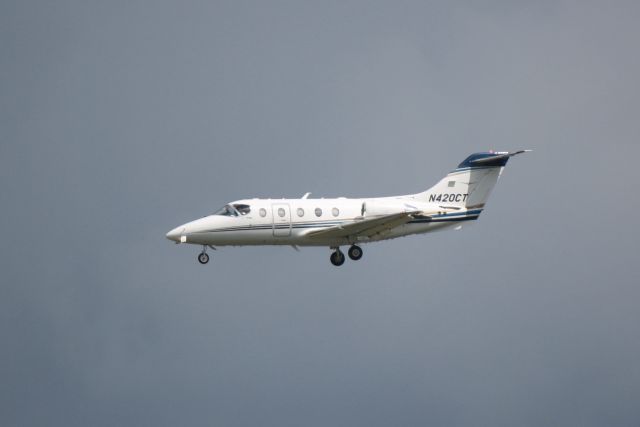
458, 197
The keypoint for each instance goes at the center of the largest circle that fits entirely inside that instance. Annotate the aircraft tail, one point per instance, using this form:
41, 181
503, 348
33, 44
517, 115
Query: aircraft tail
470, 184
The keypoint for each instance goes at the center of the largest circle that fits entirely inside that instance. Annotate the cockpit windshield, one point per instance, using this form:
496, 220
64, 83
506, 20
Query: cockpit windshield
227, 210
242, 209
234, 210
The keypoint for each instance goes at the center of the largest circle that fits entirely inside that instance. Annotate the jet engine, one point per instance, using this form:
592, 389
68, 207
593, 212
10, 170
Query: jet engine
372, 208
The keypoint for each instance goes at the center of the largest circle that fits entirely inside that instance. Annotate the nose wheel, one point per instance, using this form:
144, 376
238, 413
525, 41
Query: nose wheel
337, 257
203, 258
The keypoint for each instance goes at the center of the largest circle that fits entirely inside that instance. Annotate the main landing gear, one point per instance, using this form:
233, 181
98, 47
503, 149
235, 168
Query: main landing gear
337, 257
355, 252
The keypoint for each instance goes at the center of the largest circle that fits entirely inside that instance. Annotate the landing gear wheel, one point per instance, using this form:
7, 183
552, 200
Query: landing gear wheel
337, 258
203, 258
355, 252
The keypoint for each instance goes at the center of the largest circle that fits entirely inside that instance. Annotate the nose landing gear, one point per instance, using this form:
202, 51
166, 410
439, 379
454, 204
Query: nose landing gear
203, 257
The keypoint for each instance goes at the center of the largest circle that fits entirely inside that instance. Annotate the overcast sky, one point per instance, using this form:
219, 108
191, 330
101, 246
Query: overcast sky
120, 120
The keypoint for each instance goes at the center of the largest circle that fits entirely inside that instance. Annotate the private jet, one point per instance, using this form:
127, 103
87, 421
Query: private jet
460, 196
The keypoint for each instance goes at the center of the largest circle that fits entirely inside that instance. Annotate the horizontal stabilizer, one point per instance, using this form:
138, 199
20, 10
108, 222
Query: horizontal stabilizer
498, 156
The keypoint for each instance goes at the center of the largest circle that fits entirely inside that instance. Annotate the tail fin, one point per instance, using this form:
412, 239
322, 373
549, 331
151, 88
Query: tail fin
470, 184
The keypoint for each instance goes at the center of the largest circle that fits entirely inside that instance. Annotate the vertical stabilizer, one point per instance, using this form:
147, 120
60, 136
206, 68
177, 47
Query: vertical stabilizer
470, 184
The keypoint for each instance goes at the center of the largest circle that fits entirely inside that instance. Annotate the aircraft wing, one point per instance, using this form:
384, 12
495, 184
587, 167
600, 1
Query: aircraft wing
364, 227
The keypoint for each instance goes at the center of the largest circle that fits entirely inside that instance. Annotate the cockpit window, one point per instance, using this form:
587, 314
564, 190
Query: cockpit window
242, 209
227, 210
234, 210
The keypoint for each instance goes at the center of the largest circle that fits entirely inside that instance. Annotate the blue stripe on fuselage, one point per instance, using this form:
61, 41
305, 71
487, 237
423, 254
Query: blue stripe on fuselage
444, 217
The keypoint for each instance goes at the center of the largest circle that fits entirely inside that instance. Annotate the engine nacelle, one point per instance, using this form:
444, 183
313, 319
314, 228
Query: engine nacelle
372, 208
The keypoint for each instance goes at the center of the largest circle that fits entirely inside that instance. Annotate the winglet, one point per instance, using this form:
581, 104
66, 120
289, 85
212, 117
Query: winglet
306, 195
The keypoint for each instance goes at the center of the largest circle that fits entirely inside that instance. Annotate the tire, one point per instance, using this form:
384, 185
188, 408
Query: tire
337, 258
355, 252
203, 258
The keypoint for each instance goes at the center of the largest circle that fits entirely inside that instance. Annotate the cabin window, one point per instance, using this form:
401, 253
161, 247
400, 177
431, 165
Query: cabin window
335, 211
263, 212
318, 212
452, 183
281, 212
242, 209
300, 212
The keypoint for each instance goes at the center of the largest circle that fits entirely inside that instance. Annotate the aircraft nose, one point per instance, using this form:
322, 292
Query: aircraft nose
175, 234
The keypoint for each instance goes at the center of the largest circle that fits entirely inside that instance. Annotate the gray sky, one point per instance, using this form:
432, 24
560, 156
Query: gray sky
119, 120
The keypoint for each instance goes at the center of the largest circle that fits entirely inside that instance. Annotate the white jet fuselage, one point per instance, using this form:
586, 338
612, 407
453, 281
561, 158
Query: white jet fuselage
291, 221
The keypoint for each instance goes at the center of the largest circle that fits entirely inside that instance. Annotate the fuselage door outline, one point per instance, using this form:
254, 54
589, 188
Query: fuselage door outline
281, 214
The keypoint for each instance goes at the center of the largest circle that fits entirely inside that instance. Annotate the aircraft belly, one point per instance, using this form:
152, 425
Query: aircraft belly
251, 238
264, 236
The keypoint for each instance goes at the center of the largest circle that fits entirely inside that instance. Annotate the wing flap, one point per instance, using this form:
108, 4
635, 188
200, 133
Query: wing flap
364, 227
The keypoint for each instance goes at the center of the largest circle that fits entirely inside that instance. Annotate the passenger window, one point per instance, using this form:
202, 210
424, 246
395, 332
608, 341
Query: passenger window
263, 212
281, 212
300, 212
335, 211
318, 212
